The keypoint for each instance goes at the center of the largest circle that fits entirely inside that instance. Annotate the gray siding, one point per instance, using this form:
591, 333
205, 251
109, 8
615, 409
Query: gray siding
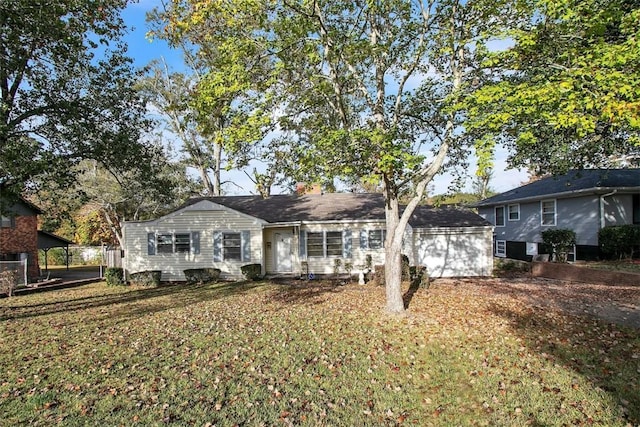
580, 214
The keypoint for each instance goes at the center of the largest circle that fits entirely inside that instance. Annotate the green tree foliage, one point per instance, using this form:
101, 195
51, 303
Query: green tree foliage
364, 89
559, 242
569, 92
619, 241
66, 92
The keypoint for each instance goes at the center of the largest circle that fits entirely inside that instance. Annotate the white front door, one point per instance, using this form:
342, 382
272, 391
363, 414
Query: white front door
283, 252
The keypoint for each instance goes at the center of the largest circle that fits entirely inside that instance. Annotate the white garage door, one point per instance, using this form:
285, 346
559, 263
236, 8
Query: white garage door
455, 253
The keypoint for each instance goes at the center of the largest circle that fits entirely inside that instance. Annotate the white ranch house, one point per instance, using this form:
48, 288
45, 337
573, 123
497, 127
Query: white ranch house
299, 235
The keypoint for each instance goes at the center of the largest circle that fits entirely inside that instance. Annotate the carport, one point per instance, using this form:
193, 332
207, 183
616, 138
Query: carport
48, 241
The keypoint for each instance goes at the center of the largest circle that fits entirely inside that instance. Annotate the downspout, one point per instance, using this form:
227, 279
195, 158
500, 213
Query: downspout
602, 218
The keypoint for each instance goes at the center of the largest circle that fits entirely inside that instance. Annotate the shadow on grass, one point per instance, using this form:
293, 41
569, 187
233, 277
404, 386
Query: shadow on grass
182, 295
408, 296
303, 292
604, 354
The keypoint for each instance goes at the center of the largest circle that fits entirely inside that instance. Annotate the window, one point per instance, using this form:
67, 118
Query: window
169, 243
7, 222
514, 212
321, 244
499, 216
231, 247
375, 239
636, 209
501, 248
315, 244
548, 210
183, 242
165, 243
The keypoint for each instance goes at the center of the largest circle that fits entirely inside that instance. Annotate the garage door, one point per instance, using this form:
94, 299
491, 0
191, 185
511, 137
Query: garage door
452, 253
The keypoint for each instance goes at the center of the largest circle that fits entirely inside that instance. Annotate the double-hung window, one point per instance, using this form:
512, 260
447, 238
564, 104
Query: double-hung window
328, 243
231, 247
169, 243
514, 212
499, 211
548, 212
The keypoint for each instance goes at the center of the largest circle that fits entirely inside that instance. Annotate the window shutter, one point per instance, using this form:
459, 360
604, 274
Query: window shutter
346, 243
217, 246
364, 237
302, 245
151, 243
195, 242
245, 242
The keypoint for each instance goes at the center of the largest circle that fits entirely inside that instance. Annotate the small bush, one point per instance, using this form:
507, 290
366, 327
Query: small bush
202, 275
251, 271
419, 277
559, 242
146, 278
619, 241
378, 275
8, 281
406, 272
510, 267
113, 276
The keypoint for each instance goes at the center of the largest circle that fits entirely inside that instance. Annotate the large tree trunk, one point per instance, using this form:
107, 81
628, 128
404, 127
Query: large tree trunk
393, 251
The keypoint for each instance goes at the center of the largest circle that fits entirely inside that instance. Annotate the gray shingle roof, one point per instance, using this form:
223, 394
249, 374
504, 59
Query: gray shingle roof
338, 207
575, 181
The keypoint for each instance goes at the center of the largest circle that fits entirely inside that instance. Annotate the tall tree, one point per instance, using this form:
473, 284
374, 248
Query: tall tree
226, 98
365, 87
170, 94
570, 91
66, 91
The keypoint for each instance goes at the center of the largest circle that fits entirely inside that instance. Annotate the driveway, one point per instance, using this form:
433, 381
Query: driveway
612, 303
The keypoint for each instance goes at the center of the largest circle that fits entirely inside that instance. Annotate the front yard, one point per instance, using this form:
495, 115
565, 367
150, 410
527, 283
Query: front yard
469, 352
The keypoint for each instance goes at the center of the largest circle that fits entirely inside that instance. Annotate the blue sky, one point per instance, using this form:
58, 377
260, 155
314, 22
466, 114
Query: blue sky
144, 51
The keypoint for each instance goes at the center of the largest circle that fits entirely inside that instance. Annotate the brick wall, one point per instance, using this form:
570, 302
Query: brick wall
574, 273
22, 238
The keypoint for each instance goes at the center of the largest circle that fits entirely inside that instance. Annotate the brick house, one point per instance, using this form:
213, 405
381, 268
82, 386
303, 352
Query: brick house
19, 235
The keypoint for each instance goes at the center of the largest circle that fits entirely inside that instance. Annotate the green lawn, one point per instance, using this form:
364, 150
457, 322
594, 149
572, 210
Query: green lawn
274, 354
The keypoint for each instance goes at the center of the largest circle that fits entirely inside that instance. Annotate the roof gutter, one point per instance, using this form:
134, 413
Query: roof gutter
601, 200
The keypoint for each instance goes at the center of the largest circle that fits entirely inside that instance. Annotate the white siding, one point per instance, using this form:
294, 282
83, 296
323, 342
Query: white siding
455, 252
324, 265
204, 217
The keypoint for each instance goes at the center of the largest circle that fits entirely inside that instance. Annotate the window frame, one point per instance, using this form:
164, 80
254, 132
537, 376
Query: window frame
230, 236
495, 215
173, 243
503, 253
161, 246
381, 240
517, 211
7, 222
329, 249
543, 213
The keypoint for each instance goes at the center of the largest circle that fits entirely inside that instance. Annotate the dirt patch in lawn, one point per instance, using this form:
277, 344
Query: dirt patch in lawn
612, 303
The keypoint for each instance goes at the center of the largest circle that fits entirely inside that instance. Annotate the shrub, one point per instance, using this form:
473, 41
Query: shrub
202, 275
619, 241
146, 278
559, 242
406, 272
337, 263
378, 275
251, 271
419, 277
113, 276
348, 267
8, 281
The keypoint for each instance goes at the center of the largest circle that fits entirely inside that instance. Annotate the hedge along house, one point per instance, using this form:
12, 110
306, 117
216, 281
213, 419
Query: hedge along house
300, 235
584, 201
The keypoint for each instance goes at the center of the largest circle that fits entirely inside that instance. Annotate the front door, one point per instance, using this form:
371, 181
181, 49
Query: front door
283, 253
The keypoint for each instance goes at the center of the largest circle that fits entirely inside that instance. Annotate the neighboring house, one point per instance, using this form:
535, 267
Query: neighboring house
291, 234
19, 235
581, 200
